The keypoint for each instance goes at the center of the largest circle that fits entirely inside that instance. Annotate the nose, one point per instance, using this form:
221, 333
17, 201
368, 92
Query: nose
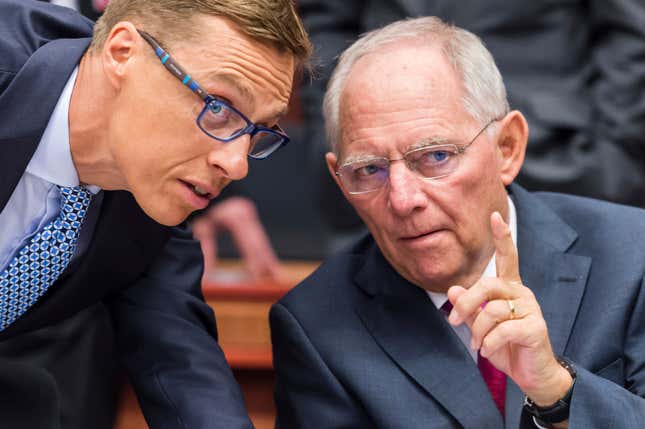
231, 157
405, 193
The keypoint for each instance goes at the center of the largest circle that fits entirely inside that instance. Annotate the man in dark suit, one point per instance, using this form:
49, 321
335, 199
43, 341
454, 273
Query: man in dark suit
574, 68
106, 144
432, 321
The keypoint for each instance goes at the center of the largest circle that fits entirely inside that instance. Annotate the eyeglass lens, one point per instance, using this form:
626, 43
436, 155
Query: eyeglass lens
222, 122
371, 174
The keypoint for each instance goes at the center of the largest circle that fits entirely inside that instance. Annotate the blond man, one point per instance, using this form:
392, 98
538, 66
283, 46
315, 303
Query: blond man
111, 136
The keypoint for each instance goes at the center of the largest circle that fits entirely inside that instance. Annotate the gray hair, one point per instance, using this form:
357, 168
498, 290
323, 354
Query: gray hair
484, 95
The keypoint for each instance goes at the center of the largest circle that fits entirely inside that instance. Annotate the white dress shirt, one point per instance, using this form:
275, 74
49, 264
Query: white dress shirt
439, 299
36, 200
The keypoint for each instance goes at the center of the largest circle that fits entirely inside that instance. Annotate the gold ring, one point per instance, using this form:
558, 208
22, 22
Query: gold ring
511, 307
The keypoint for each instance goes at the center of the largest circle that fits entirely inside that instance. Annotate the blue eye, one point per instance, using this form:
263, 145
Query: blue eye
439, 155
367, 170
215, 107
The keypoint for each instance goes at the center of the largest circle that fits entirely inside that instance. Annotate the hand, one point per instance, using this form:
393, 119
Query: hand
238, 216
507, 325
204, 232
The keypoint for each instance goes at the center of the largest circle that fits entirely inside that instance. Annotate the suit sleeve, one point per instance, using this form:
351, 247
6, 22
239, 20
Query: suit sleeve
167, 338
618, 123
307, 394
613, 397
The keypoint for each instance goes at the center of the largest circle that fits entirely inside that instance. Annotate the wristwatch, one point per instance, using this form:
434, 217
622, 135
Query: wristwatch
544, 417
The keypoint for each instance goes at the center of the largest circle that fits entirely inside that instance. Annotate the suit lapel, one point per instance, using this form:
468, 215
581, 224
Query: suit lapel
556, 278
416, 336
26, 115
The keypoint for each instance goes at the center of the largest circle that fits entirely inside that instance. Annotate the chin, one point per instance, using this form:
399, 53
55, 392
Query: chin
437, 279
162, 210
166, 217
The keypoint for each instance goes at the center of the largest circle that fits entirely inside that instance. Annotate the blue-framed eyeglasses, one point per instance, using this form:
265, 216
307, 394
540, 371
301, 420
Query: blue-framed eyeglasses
218, 119
430, 162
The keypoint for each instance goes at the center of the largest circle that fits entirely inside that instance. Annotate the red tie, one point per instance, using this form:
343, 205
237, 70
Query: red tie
494, 378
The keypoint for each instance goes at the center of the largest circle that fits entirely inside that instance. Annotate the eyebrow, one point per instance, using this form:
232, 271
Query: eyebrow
243, 89
425, 142
429, 141
361, 157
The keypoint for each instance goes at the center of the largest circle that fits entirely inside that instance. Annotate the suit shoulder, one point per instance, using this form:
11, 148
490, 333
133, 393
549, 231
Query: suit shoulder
611, 232
588, 211
25, 26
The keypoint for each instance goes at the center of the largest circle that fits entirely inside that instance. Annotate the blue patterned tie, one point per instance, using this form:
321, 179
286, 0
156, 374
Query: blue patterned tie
37, 265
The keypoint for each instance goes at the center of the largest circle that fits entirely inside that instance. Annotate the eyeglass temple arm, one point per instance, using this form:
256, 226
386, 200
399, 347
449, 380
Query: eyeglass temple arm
462, 149
171, 65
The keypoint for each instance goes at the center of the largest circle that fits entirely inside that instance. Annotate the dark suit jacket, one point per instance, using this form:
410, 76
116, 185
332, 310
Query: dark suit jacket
357, 346
148, 275
574, 68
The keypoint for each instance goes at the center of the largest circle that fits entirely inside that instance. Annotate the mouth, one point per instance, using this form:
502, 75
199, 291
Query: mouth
199, 194
201, 190
419, 236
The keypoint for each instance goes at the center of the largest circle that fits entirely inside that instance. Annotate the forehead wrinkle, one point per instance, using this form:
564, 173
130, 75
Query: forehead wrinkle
279, 77
236, 80
263, 78
234, 47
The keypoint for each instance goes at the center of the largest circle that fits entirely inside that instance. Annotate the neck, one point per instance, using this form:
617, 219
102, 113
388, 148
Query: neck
89, 117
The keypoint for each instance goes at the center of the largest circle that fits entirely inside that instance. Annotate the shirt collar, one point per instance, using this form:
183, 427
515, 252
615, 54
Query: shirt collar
439, 299
52, 160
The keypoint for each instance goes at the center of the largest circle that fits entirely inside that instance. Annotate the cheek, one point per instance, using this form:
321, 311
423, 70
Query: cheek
480, 195
371, 209
467, 200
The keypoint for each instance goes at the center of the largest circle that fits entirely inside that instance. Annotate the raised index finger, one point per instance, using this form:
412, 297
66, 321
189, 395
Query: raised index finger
506, 259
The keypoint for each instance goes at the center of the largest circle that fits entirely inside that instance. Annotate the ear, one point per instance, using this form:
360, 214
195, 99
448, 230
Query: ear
332, 165
512, 138
118, 52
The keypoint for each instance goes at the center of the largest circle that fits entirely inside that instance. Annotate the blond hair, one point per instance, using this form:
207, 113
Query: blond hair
271, 22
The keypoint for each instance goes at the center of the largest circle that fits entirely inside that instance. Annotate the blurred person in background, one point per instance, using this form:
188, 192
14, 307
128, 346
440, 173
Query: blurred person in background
90, 8
575, 68
237, 216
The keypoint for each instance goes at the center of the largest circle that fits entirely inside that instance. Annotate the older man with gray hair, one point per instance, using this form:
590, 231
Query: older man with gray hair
472, 303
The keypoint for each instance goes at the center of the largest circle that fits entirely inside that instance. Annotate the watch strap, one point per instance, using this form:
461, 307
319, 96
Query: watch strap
559, 411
